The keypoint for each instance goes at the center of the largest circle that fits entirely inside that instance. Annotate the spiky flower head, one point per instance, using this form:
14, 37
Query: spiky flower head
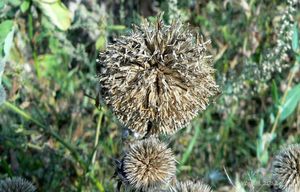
286, 169
191, 186
158, 78
16, 184
148, 164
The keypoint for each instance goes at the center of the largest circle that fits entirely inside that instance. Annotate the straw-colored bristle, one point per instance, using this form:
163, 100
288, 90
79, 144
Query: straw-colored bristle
190, 186
286, 169
149, 164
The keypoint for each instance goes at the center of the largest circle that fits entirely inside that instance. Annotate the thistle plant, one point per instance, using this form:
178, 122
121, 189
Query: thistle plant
286, 169
156, 80
16, 184
148, 164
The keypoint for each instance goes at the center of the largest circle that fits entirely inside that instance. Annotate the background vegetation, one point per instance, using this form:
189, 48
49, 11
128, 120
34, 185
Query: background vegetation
53, 133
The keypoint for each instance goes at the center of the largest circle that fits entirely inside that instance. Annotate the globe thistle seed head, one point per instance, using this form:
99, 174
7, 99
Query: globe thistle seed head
158, 78
286, 169
148, 164
16, 184
190, 186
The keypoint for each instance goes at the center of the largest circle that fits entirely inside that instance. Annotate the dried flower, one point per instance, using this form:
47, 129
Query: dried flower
286, 169
190, 186
16, 184
157, 79
148, 164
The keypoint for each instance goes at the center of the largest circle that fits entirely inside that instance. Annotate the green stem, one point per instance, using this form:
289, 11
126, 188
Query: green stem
97, 136
291, 76
28, 117
189, 150
96, 183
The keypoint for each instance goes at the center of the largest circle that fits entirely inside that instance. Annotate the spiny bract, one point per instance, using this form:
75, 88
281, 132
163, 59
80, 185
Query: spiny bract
157, 79
148, 164
286, 169
16, 184
190, 186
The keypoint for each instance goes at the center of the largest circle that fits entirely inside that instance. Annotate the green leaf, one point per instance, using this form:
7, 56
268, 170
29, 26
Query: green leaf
100, 43
261, 128
5, 27
264, 157
295, 38
49, 64
57, 12
98, 184
116, 27
263, 141
6, 40
260, 147
291, 102
25, 6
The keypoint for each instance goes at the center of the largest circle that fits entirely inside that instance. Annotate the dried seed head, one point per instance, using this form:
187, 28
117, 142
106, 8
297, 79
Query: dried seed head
190, 186
157, 79
286, 169
16, 184
148, 164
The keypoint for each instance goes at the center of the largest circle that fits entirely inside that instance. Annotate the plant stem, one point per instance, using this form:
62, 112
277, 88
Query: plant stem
290, 80
191, 145
28, 117
97, 135
96, 183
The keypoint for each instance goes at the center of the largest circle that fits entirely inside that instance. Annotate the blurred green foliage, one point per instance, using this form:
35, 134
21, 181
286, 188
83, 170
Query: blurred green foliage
53, 133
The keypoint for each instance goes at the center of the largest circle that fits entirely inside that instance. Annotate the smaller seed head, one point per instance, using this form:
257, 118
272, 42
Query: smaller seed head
149, 164
286, 169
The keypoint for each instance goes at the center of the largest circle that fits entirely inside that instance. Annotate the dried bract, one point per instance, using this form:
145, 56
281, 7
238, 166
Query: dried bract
190, 186
148, 164
286, 169
157, 79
